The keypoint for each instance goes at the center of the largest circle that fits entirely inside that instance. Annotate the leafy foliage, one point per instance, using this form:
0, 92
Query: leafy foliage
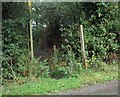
15, 42
99, 36
58, 23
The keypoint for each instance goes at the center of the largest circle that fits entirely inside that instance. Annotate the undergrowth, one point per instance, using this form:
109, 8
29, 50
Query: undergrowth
48, 85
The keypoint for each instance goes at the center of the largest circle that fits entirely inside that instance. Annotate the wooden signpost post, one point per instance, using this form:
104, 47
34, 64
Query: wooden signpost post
30, 30
84, 62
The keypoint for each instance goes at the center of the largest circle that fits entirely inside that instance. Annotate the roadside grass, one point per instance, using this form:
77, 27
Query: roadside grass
48, 85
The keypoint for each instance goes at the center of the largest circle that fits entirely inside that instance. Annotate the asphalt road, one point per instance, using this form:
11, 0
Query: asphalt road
108, 88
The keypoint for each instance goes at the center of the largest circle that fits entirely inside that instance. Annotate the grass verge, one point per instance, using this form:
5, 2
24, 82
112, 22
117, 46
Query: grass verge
48, 85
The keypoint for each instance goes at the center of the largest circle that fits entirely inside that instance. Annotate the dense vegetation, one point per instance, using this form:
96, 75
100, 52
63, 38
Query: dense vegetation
58, 24
53, 86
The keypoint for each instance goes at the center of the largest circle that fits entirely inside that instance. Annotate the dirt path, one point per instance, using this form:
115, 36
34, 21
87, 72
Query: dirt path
108, 88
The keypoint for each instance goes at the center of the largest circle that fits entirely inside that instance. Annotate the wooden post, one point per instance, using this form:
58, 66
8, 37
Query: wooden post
30, 30
54, 47
84, 62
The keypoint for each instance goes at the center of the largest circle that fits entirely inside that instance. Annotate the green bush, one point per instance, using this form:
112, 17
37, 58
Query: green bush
59, 72
43, 69
71, 40
14, 46
34, 67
